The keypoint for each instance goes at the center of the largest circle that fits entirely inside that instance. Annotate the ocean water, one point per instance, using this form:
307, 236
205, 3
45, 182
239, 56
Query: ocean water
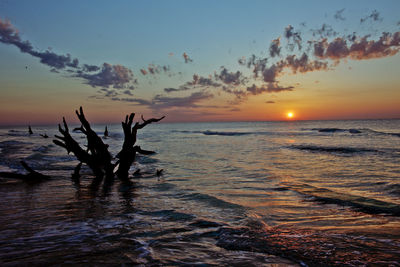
313, 193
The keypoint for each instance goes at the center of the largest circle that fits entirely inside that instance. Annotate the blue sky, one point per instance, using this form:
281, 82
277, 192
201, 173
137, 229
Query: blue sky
135, 34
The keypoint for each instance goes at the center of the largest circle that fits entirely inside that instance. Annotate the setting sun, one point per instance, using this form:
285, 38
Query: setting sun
290, 115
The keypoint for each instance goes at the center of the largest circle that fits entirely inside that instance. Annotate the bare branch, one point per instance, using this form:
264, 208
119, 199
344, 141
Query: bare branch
142, 151
145, 122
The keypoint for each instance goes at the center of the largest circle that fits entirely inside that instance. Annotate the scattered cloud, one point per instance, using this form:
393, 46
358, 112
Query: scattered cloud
230, 78
90, 68
359, 49
116, 76
325, 31
197, 81
269, 74
323, 51
274, 48
202, 81
187, 58
128, 92
374, 16
339, 14
269, 102
163, 102
240, 95
179, 89
137, 101
293, 37
10, 35
271, 87
303, 64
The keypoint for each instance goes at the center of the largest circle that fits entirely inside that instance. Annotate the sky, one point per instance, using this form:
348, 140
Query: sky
202, 60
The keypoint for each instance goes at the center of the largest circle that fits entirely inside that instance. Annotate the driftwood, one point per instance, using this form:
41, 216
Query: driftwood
159, 172
32, 175
97, 156
128, 152
75, 175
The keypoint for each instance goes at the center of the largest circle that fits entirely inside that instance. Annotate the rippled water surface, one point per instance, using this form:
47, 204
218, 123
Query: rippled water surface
251, 194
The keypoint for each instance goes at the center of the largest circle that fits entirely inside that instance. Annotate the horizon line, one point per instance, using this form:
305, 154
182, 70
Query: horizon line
216, 121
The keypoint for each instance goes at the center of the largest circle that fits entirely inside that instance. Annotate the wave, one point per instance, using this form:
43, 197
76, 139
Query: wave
9, 143
17, 133
353, 131
309, 248
213, 201
170, 215
333, 149
226, 133
393, 189
208, 132
364, 204
223, 133
381, 133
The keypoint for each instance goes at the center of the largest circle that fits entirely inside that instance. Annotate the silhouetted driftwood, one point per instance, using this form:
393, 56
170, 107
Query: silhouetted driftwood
76, 175
31, 176
159, 172
97, 156
128, 152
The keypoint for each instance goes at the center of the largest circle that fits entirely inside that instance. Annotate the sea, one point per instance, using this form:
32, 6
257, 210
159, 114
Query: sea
293, 193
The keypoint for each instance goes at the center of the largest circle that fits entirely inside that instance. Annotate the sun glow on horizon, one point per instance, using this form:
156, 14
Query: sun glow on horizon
290, 115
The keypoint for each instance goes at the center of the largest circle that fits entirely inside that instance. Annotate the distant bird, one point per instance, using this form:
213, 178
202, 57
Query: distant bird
26, 67
30, 130
159, 172
106, 132
44, 135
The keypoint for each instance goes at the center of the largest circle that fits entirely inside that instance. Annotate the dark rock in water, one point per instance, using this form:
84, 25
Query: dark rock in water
205, 224
354, 131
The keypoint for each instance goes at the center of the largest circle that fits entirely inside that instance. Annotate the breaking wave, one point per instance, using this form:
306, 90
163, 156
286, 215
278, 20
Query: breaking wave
353, 131
333, 149
364, 204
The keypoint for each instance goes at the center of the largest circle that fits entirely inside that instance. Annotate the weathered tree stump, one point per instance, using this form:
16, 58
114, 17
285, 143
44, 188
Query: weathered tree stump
31, 177
97, 156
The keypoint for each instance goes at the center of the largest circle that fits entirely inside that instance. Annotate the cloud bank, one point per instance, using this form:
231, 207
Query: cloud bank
294, 52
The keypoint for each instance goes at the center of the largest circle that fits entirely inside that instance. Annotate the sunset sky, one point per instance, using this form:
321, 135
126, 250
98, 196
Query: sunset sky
199, 60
